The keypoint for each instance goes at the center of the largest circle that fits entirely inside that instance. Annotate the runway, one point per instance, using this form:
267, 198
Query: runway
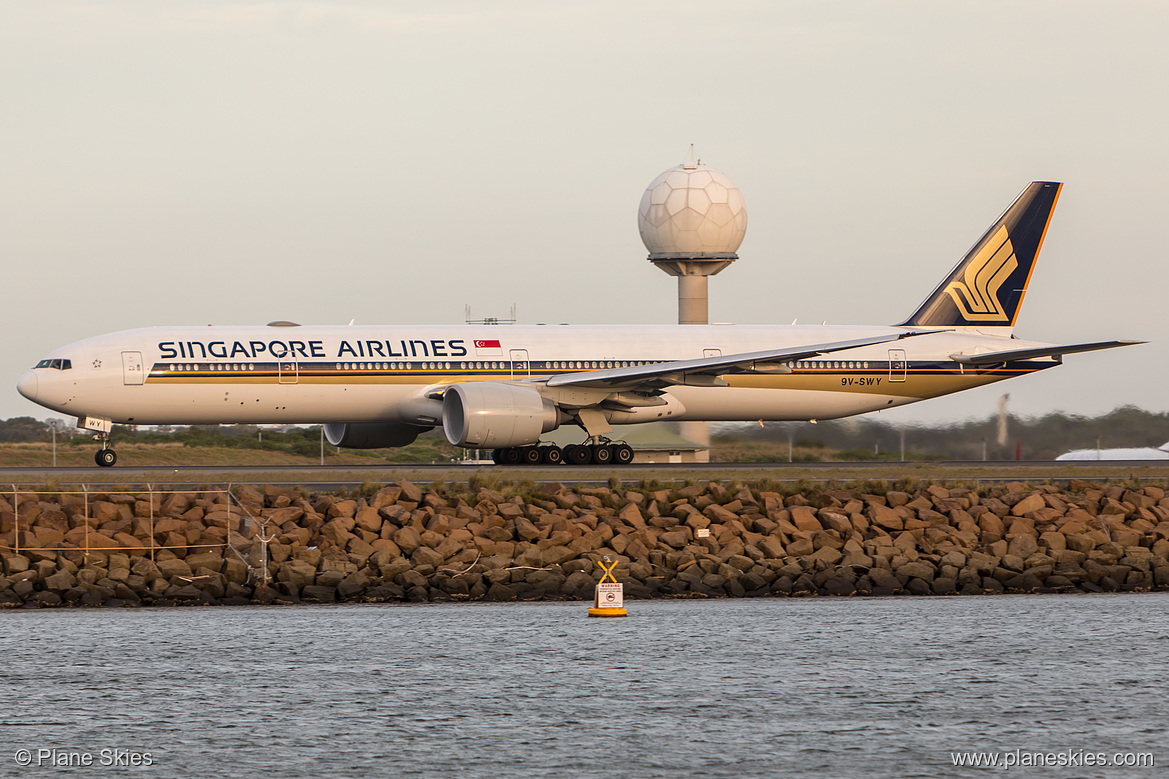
348, 477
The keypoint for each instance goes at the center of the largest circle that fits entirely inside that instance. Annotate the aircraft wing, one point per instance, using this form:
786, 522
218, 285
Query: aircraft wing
1029, 354
705, 371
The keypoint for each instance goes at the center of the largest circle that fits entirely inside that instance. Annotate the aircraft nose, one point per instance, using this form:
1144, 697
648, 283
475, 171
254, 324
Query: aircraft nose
27, 385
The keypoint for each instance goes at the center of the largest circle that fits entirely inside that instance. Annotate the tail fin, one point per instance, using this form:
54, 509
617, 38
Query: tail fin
987, 286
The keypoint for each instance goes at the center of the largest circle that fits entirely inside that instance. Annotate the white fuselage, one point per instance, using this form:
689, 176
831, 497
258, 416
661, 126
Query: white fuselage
330, 374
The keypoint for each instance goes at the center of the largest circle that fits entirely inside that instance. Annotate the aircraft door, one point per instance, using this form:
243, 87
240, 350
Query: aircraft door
288, 371
897, 365
132, 370
520, 367
712, 352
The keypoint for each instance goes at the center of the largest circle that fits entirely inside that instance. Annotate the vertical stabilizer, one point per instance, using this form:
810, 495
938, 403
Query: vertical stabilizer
987, 286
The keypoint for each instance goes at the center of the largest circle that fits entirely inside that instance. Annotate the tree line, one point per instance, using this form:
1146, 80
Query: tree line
1036, 438
295, 440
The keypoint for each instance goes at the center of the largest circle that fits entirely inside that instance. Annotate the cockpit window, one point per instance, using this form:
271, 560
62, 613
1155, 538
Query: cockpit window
60, 365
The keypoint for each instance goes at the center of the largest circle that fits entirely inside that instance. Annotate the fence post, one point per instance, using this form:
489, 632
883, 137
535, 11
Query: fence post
150, 490
16, 514
85, 492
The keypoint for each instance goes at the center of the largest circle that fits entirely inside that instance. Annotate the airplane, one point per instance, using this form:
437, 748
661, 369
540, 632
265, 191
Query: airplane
1133, 453
502, 387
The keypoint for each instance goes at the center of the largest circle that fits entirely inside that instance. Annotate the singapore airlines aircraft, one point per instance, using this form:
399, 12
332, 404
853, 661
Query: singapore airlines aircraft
500, 388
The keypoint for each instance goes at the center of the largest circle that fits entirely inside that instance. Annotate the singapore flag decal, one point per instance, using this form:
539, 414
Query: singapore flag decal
488, 348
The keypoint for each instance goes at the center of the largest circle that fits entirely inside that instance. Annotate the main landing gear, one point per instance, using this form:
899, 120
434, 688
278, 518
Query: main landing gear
603, 453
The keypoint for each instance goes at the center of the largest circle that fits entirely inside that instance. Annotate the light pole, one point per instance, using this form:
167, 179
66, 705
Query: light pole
53, 424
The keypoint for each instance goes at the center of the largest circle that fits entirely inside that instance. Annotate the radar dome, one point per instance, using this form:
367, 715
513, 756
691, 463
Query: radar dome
692, 210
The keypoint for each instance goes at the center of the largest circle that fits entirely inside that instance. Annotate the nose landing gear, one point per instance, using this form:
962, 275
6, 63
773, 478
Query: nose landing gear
105, 456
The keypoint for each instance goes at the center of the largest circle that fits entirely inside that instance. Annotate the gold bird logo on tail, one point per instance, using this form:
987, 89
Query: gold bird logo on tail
977, 296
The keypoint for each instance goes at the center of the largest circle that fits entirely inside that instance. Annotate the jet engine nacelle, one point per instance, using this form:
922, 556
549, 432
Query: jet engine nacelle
372, 435
490, 415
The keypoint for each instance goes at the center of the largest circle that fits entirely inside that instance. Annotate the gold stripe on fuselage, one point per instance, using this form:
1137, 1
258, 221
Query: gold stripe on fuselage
919, 382
925, 383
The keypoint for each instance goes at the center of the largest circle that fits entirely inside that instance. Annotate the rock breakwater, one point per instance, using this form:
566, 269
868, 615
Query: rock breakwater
406, 543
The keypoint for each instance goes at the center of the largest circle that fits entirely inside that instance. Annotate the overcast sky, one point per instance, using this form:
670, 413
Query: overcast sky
235, 163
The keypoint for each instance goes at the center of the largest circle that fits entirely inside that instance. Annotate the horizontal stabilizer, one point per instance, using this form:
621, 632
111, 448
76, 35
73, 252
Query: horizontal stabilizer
664, 374
1031, 354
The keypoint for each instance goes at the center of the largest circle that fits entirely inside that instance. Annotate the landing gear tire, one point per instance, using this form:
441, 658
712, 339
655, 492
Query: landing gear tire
552, 455
622, 454
511, 456
576, 454
602, 454
105, 457
531, 455
496, 456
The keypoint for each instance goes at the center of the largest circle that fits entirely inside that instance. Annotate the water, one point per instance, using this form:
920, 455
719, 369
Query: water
818, 687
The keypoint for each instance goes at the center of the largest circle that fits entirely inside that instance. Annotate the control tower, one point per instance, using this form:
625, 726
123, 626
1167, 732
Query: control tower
692, 219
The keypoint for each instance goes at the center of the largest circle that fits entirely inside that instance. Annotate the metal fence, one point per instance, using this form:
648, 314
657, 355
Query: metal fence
154, 497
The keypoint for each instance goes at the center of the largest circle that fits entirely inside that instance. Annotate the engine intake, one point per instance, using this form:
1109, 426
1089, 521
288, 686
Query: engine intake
491, 415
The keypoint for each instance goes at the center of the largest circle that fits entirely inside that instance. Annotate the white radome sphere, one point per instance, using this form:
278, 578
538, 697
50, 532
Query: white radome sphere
692, 210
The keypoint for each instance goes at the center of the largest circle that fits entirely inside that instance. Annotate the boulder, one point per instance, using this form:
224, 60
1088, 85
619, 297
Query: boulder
408, 539
369, 520
1053, 541
1023, 546
502, 592
771, 547
14, 563
59, 582
834, 520
410, 492
719, 514
235, 570
633, 515
352, 585
338, 531
360, 552
800, 547
173, 567
557, 555
579, 585
944, 586
316, 593
885, 579
297, 572
1032, 502
917, 570
1024, 582
885, 517
424, 555
211, 560
916, 586
525, 529
804, 518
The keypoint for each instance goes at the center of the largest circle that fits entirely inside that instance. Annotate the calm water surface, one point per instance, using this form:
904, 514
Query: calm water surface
818, 687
